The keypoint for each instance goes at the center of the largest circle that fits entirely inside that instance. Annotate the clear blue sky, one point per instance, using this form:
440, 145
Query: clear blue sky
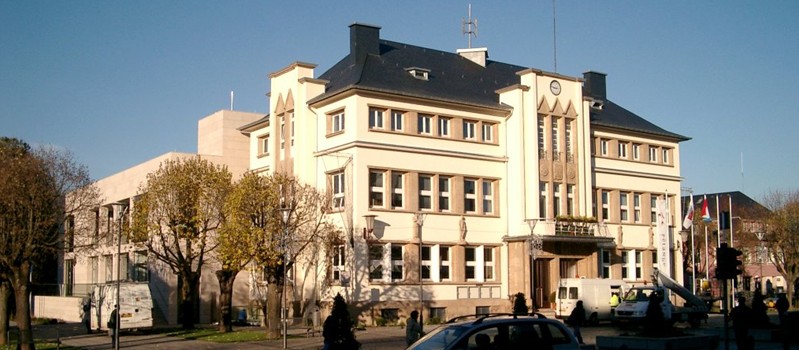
120, 82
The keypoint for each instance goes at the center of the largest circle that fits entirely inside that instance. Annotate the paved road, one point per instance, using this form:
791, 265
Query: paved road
382, 338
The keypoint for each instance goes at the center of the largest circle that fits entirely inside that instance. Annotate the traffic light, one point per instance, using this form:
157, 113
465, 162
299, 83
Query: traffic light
727, 264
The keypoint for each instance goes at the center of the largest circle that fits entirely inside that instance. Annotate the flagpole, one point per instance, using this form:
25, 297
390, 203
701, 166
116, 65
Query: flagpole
707, 258
718, 222
732, 242
693, 247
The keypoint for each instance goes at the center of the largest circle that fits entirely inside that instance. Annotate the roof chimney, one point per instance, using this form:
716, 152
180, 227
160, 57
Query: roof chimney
477, 55
594, 85
364, 40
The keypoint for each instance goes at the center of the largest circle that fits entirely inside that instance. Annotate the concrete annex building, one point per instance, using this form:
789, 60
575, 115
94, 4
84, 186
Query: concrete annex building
455, 157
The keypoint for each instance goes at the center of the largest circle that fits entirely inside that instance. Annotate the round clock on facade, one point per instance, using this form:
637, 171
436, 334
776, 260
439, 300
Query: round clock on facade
554, 86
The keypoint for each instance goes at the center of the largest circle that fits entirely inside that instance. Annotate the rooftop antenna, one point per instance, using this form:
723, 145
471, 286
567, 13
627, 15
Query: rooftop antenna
469, 27
554, 36
231, 100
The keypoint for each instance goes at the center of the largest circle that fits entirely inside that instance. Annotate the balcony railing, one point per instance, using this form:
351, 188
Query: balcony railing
575, 226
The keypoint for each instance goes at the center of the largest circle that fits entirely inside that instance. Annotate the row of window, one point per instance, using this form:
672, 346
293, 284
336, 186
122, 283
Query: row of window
426, 124
628, 208
387, 263
634, 151
555, 138
393, 189
631, 264
137, 271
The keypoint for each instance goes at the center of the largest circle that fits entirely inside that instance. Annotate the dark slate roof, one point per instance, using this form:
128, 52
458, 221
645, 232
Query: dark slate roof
453, 78
615, 116
742, 205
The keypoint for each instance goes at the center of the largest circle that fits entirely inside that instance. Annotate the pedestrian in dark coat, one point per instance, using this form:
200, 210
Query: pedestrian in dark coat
741, 322
576, 319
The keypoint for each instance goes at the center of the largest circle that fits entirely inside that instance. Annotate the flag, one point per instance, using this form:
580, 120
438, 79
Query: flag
689, 215
705, 211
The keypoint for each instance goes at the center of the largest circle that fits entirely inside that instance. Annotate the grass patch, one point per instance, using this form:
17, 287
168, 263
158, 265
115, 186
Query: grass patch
51, 345
212, 335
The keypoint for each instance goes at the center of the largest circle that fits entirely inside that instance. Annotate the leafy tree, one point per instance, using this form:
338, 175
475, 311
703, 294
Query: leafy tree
519, 304
307, 229
782, 235
249, 222
34, 184
176, 215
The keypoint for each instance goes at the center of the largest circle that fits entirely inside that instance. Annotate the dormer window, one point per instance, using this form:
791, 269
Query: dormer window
419, 73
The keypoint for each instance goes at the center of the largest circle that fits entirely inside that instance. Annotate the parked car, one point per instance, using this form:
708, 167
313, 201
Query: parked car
498, 331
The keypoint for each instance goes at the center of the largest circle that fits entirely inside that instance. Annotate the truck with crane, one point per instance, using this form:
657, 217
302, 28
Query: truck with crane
633, 306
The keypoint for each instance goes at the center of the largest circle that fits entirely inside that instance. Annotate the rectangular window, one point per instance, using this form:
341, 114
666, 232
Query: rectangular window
542, 146
556, 203
570, 200
376, 189
425, 192
423, 124
108, 261
282, 132
263, 145
542, 200
606, 264
665, 156
488, 132
469, 130
568, 141
625, 268
639, 255
636, 151
470, 195
603, 147
291, 118
444, 261
94, 269
605, 206
439, 314
338, 261
443, 126
470, 258
337, 122
337, 186
653, 208
376, 259
623, 150
124, 266
140, 270
488, 263
653, 154
426, 262
624, 209
443, 193
96, 236
397, 118
555, 139
637, 207
375, 118
396, 262
488, 197
397, 185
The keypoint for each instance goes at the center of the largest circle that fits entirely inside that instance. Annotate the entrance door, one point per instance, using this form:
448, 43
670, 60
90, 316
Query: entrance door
541, 284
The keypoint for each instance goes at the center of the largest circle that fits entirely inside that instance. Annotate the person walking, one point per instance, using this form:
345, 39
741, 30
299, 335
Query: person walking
782, 306
112, 327
86, 316
413, 330
614, 302
576, 319
741, 322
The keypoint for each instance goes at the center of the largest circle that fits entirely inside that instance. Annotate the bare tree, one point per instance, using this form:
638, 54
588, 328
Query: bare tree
34, 185
176, 215
782, 235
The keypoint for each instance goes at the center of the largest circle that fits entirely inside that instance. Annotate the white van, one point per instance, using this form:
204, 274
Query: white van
595, 294
136, 308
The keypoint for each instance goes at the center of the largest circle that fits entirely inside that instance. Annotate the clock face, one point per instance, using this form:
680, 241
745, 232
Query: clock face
554, 86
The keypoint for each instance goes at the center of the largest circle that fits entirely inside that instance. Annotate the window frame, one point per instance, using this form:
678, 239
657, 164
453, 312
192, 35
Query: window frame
337, 122
444, 127
487, 132
377, 191
425, 192
469, 128
397, 120
338, 190
376, 118
444, 195
470, 197
424, 124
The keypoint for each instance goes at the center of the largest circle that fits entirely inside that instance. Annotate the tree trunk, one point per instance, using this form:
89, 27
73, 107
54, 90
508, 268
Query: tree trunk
21, 285
273, 298
5, 310
226, 279
188, 292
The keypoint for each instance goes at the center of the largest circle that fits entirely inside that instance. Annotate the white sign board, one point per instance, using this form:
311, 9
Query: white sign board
663, 238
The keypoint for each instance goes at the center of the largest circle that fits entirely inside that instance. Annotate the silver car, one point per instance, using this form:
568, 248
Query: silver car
500, 331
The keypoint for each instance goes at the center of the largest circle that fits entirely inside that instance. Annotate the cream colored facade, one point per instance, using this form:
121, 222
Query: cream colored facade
510, 164
219, 141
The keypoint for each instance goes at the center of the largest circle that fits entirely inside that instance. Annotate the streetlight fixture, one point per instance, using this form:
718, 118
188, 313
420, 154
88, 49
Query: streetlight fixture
370, 226
418, 218
121, 209
285, 216
535, 246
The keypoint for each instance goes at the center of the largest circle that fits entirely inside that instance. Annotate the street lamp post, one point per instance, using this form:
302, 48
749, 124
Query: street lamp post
121, 209
418, 218
536, 244
285, 216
